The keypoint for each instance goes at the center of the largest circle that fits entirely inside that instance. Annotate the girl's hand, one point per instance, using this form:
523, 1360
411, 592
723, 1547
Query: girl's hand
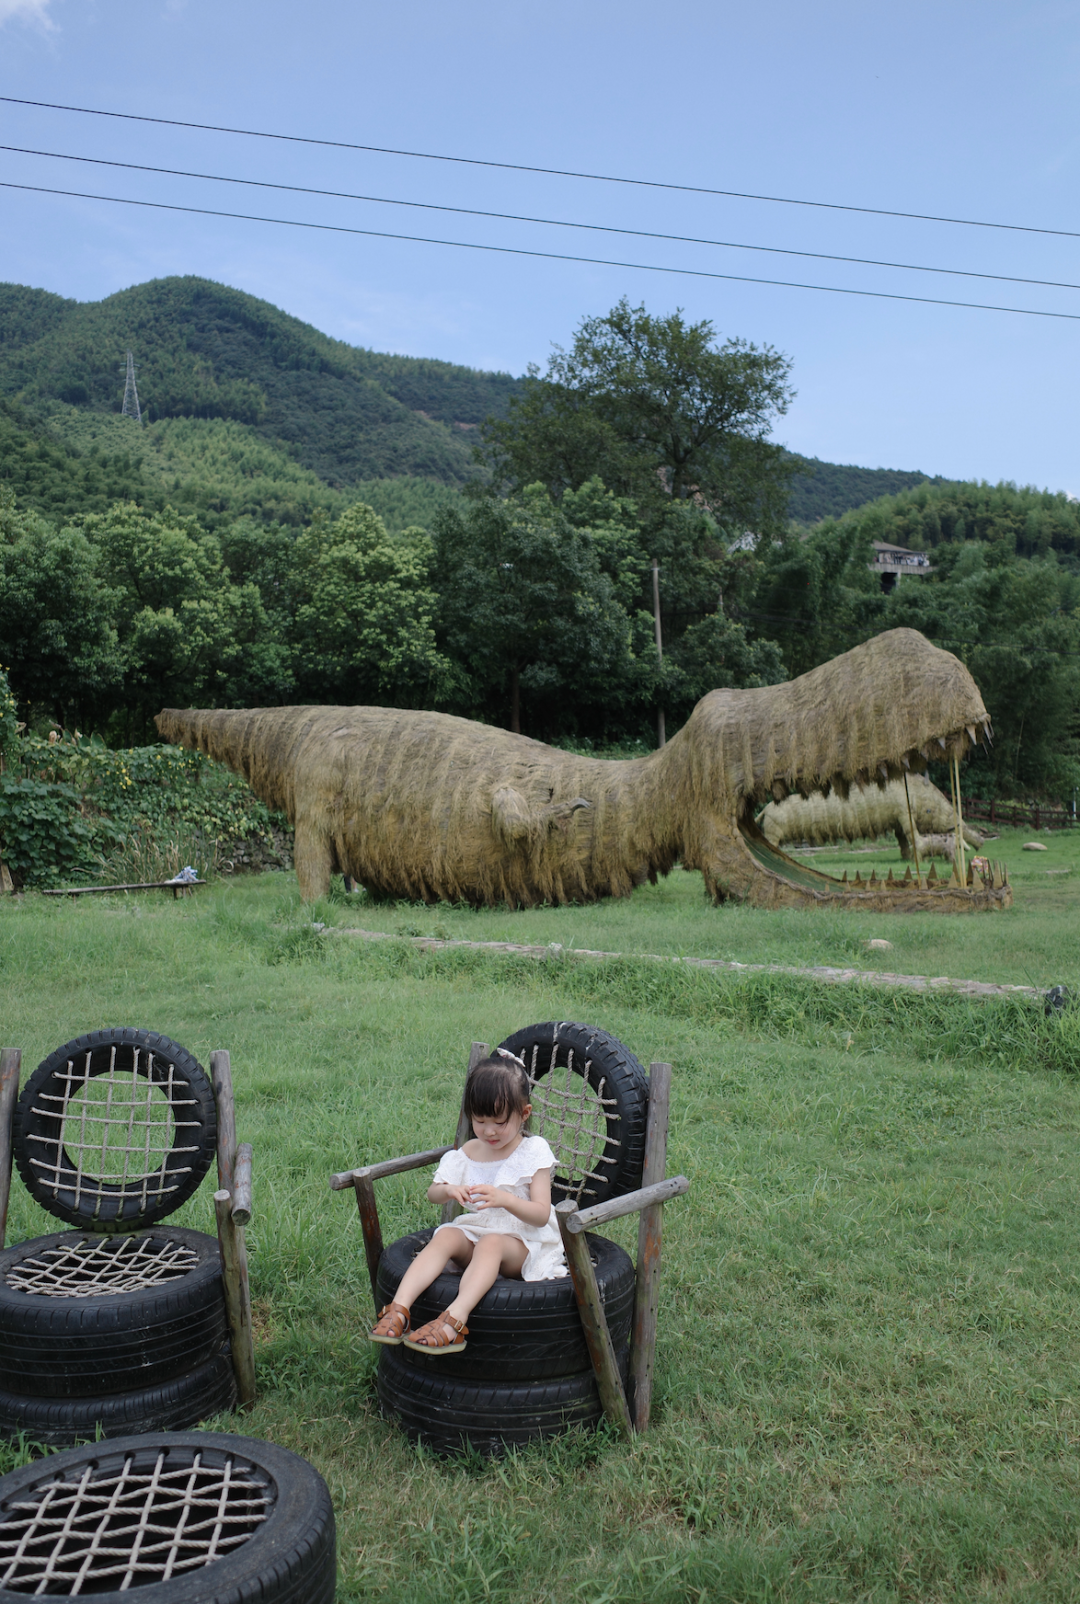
457, 1194
485, 1196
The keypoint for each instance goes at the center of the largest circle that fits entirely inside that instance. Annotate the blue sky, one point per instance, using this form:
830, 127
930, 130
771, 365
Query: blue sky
963, 110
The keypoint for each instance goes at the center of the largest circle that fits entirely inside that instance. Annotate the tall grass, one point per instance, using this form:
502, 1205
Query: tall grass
159, 853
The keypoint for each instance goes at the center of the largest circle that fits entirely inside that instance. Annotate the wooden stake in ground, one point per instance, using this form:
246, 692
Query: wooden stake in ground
914, 836
661, 737
10, 1061
650, 1225
958, 855
597, 1336
234, 1273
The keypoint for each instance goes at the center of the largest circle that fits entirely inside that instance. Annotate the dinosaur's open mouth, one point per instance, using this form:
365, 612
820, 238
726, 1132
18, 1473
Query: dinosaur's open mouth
938, 749
948, 748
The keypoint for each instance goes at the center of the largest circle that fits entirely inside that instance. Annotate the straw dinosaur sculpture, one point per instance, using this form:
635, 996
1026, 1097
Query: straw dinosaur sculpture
867, 812
424, 805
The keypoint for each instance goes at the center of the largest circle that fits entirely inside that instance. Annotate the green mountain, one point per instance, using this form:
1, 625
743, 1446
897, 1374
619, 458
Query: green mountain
249, 411
829, 489
62, 460
206, 351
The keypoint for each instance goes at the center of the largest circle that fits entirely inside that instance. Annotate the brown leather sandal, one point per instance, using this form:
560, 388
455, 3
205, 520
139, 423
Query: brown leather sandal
432, 1338
391, 1326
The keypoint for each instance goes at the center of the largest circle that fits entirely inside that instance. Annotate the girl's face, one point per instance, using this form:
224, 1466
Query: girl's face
499, 1132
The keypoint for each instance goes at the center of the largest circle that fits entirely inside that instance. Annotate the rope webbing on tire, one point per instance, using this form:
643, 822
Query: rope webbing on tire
96, 1269
572, 1121
132, 1526
113, 1129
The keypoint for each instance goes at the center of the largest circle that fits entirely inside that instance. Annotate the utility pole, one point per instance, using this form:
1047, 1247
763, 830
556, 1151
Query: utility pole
661, 737
130, 408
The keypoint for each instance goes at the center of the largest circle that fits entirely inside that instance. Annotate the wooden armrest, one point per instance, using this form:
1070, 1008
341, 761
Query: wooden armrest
391, 1166
616, 1207
241, 1194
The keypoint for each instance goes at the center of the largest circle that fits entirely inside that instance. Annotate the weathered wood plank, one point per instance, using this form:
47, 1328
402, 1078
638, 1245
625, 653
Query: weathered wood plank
372, 1229
650, 1228
391, 1166
616, 1207
221, 1076
10, 1062
234, 1272
241, 1192
175, 886
594, 1323
477, 1053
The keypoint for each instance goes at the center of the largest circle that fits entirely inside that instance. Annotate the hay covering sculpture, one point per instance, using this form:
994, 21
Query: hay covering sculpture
865, 813
424, 805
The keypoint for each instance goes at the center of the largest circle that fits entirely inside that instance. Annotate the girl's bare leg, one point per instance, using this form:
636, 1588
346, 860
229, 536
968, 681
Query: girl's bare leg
490, 1257
432, 1261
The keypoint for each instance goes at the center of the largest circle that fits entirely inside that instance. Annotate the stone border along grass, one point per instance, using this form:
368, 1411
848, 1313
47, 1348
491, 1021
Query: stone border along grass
833, 977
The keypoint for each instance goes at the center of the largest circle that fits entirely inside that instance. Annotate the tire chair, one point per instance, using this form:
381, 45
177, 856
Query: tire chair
543, 1356
124, 1323
177, 1517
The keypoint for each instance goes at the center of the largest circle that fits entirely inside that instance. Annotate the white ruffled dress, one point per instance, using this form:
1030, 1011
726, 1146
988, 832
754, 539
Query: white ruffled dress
545, 1261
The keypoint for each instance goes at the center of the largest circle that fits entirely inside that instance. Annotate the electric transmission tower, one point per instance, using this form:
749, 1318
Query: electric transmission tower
130, 408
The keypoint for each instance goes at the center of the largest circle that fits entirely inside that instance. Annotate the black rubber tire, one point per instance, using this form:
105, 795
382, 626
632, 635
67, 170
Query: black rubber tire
87, 1347
624, 1080
36, 1128
449, 1415
289, 1559
520, 1330
171, 1406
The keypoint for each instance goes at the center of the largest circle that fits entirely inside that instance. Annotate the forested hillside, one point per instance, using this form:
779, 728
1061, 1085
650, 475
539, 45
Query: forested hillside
829, 489
214, 354
206, 351
65, 461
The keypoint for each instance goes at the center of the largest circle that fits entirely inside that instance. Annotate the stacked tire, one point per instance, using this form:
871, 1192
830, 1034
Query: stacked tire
169, 1518
525, 1373
74, 1368
121, 1327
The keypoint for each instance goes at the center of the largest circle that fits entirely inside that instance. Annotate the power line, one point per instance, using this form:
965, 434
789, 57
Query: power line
546, 256
547, 172
547, 222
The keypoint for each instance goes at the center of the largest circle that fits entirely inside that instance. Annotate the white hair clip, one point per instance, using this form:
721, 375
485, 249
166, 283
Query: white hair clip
504, 1052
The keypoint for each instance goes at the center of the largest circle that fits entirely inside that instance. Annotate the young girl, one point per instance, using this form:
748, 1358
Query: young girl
502, 1178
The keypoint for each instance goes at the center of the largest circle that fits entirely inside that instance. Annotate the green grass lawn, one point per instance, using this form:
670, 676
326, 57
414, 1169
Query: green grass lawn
869, 1370
1026, 945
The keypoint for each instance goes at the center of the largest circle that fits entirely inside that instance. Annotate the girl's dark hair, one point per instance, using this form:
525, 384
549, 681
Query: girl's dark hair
497, 1088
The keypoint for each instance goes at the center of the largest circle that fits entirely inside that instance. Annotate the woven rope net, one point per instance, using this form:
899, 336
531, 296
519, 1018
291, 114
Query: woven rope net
114, 1131
569, 1113
119, 1527
95, 1269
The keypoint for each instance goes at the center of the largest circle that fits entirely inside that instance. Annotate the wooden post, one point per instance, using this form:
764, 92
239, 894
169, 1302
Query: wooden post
477, 1053
241, 1192
650, 1226
10, 1062
594, 1323
221, 1075
369, 1224
914, 836
234, 1272
660, 733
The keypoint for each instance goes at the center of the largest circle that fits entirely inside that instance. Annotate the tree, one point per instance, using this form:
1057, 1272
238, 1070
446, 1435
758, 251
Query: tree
362, 625
58, 618
528, 610
813, 593
1015, 623
188, 634
660, 412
